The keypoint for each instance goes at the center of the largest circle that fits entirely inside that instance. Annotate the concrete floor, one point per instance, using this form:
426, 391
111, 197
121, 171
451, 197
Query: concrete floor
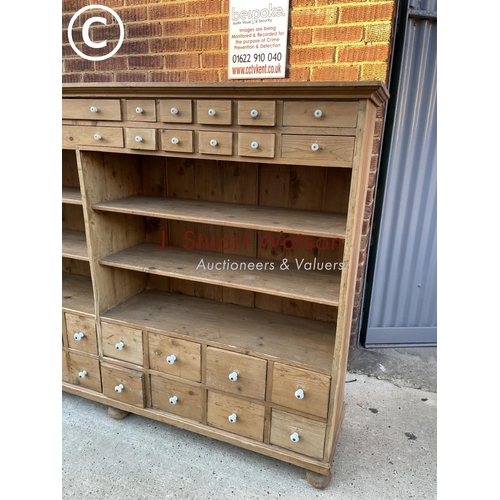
387, 450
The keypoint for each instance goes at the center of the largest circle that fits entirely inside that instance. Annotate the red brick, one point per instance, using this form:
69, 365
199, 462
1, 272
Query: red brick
112, 64
378, 32
132, 76
172, 44
144, 30
134, 47
166, 11
68, 51
376, 71
168, 76
73, 5
145, 62
320, 3
214, 60
376, 145
297, 74
66, 18
372, 179
202, 8
99, 32
338, 34
316, 54
72, 78
131, 14
374, 163
378, 128
203, 43
366, 13
335, 73
211, 24
97, 77
300, 37
202, 76
179, 61
313, 17
183, 27
78, 65
369, 53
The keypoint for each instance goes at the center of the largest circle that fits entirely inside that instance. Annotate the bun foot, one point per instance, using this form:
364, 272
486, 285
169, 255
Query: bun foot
318, 480
116, 413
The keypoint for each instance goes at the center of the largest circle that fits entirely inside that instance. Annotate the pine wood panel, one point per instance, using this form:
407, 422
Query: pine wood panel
77, 294
333, 114
266, 116
334, 149
223, 112
132, 351
132, 380
79, 109
184, 109
80, 364
74, 245
71, 195
223, 145
177, 140
81, 324
148, 138
265, 145
73, 135
148, 107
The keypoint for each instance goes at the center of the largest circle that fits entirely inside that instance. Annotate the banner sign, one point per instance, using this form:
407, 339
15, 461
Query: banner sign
258, 34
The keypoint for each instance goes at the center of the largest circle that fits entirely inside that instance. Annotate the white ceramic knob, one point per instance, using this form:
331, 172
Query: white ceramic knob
318, 113
254, 113
120, 345
83, 374
295, 437
173, 400
97, 137
232, 418
93, 109
233, 376
78, 336
315, 146
299, 394
138, 138
171, 359
254, 145
175, 140
119, 388
174, 111
213, 143
139, 110
212, 112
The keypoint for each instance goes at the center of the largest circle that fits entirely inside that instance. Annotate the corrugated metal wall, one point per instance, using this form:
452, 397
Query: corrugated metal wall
403, 298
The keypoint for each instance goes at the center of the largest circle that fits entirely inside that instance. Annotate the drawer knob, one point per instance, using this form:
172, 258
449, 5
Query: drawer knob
213, 143
233, 376
119, 388
138, 138
139, 110
97, 137
78, 336
254, 145
83, 374
318, 113
212, 112
173, 400
254, 113
171, 359
120, 345
299, 394
174, 111
175, 140
315, 146
93, 109
232, 418
295, 437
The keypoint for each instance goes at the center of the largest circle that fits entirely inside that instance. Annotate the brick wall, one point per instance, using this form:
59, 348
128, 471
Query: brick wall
186, 41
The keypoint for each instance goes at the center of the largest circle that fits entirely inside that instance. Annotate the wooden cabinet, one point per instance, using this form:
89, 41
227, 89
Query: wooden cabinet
210, 250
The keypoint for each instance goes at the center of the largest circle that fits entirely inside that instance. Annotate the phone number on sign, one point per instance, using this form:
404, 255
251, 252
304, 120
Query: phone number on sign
246, 58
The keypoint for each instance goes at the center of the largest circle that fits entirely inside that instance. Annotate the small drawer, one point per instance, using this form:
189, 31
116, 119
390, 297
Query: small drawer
257, 113
298, 434
214, 112
141, 138
236, 415
176, 397
91, 109
85, 372
216, 143
300, 389
322, 148
123, 384
65, 366
258, 145
177, 141
236, 373
176, 357
81, 333
123, 343
141, 110
176, 111
91, 136
320, 114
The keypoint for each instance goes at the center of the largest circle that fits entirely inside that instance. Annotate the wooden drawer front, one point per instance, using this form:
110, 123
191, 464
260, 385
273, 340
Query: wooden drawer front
257, 113
121, 342
65, 366
318, 147
123, 384
85, 372
91, 136
259, 145
320, 114
311, 434
141, 110
176, 357
223, 112
248, 418
250, 373
223, 145
176, 111
91, 109
75, 326
178, 141
141, 138
176, 397
300, 389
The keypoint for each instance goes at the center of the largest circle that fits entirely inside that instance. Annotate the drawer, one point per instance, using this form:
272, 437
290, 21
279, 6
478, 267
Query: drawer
236, 373
140, 110
320, 114
176, 111
122, 342
178, 141
300, 389
257, 113
298, 434
65, 366
216, 143
236, 415
91, 136
214, 112
258, 145
176, 397
91, 109
123, 384
176, 357
141, 138
81, 333
85, 372
323, 148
